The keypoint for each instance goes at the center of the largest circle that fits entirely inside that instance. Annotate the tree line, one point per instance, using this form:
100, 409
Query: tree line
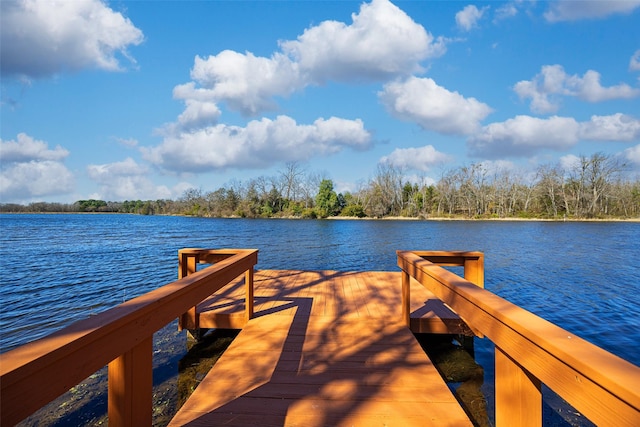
592, 187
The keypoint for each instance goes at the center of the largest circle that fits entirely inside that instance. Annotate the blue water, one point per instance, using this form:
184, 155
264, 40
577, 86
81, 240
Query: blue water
56, 269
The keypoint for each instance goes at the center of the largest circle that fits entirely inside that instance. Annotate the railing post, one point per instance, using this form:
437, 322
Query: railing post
518, 394
474, 270
187, 264
248, 279
406, 298
130, 378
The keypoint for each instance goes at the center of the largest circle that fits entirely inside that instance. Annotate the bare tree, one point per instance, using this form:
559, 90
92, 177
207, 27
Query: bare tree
292, 176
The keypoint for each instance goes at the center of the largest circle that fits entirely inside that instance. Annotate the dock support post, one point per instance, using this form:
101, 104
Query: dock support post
130, 378
248, 283
187, 264
518, 394
406, 298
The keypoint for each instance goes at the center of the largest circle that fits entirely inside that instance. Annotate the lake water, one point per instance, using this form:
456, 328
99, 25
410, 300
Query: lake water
583, 276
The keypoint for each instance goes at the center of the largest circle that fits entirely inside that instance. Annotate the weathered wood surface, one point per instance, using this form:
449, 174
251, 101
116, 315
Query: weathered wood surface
370, 294
323, 348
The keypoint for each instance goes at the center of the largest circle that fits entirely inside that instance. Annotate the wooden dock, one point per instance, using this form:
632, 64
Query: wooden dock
323, 348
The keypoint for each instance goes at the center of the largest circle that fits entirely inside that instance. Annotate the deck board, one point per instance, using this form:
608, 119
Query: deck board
324, 348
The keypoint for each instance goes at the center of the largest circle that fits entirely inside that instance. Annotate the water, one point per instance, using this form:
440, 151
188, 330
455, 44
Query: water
584, 277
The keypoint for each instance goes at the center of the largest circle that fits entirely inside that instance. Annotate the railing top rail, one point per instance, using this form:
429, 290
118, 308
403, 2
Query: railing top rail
507, 324
53, 364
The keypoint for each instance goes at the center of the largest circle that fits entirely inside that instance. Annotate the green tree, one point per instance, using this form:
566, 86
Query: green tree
327, 202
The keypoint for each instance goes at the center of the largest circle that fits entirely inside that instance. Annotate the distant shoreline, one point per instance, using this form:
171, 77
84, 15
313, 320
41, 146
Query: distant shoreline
395, 218
354, 218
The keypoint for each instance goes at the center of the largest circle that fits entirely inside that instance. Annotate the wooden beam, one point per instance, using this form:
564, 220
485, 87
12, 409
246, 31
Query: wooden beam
248, 280
131, 387
518, 394
406, 299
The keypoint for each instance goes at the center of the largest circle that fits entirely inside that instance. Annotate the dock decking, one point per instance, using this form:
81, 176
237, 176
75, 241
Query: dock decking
323, 348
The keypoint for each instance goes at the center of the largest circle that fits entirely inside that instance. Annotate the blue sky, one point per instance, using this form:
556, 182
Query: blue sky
142, 100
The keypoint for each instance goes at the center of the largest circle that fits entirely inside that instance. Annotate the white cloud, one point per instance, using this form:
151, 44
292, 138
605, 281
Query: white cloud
523, 136
381, 42
126, 180
30, 170
547, 87
569, 162
633, 154
247, 83
634, 62
506, 11
42, 38
468, 17
420, 158
261, 143
570, 10
433, 107
616, 127
27, 149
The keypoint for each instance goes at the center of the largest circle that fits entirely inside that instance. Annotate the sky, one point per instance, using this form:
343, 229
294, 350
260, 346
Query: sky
127, 100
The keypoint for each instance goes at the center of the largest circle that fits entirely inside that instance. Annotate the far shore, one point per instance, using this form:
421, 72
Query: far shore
403, 218
355, 218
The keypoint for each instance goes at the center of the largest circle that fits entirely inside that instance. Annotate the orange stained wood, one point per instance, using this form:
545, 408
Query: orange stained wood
38, 372
362, 294
324, 348
531, 351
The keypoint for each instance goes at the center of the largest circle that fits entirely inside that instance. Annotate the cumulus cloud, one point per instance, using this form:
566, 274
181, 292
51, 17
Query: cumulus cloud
26, 149
547, 87
382, 42
616, 127
126, 180
245, 82
568, 10
419, 158
30, 170
433, 107
42, 38
468, 18
524, 136
261, 143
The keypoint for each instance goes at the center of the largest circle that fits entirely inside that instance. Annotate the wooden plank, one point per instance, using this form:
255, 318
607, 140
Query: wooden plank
324, 353
371, 294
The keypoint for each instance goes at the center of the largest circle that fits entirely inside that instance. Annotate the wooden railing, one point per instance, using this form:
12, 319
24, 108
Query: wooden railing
530, 351
36, 373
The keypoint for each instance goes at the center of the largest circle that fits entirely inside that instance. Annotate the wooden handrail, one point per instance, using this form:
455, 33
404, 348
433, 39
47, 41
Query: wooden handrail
188, 258
531, 351
36, 373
